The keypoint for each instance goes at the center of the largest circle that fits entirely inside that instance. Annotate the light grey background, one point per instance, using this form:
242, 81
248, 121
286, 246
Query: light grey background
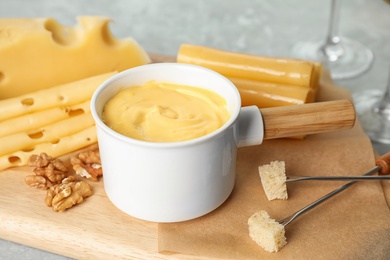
252, 26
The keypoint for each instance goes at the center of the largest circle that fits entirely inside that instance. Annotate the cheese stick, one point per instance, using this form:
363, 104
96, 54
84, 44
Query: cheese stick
64, 145
50, 133
253, 67
317, 72
62, 95
265, 94
41, 118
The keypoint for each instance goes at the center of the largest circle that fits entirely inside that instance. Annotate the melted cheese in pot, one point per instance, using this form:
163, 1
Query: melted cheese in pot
164, 112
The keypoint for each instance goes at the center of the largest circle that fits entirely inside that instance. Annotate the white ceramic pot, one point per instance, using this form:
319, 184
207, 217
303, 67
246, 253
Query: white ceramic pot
174, 181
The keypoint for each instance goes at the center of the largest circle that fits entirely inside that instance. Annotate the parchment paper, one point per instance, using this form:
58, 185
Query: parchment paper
354, 224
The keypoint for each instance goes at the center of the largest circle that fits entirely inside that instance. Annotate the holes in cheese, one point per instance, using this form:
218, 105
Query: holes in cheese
55, 141
75, 112
23, 135
90, 49
36, 135
61, 98
27, 102
41, 118
1, 76
14, 160
107, 36
28, 149
65, 145
49, 133
71, 94
62, 35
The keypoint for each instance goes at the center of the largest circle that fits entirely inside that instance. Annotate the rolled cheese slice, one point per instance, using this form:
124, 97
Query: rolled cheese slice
253, 67
38, 53
266, 94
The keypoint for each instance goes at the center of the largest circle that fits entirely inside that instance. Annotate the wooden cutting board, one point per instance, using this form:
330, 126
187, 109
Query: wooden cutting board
95, 229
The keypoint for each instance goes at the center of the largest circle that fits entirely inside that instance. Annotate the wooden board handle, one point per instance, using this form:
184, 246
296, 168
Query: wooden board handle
312, 118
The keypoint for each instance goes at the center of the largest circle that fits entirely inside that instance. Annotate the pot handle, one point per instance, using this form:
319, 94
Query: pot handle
311, 118
250, 126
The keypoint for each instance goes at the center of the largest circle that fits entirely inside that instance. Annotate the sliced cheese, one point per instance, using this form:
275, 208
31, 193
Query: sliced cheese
41, 118
50, 133
37, 53
58, 96
64, 145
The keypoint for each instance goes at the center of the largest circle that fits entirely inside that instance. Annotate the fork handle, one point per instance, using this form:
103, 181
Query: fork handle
382, 166
384, 163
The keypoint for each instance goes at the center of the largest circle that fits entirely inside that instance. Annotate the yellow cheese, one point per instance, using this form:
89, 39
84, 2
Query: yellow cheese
41, 118
165, 112
246, 66
51, 133
315, 85
38, 53
265, 94
62, 95
64, 145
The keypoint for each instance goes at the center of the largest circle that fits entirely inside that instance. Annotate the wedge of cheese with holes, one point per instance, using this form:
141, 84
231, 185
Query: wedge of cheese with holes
38, 53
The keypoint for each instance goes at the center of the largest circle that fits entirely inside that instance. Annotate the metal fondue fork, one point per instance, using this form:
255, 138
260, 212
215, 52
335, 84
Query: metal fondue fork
335, 178
382, 166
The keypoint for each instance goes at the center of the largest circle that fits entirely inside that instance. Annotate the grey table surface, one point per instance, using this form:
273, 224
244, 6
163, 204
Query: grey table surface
253, 26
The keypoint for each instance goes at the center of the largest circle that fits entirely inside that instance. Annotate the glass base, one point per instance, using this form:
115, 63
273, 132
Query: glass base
374, 122
344, 60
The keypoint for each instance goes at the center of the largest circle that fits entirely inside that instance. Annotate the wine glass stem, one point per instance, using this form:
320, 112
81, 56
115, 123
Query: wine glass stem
332, 48
333, 29
387, 92
384, 104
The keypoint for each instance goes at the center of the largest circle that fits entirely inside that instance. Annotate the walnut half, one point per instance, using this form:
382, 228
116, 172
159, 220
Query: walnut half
48, 171
87, 165
35, 181
67, 194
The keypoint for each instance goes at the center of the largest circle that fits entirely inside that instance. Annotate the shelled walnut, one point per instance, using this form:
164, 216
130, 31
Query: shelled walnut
64, 190
48, 171
88, 165
67, 194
